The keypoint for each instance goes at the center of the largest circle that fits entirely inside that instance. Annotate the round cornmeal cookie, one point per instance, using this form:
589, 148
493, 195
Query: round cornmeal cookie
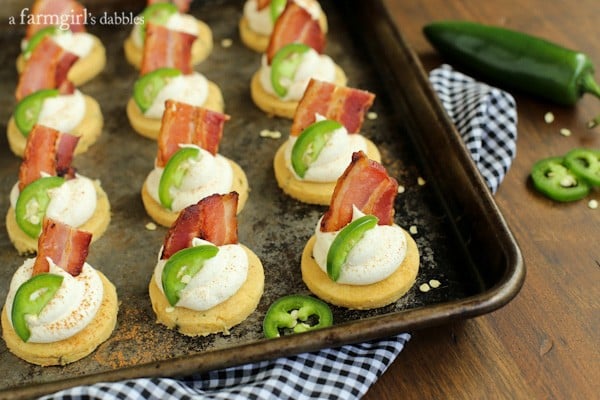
165, 217
364, 297
88, 130
84, 69
272, 105
305, 191
96, 225
201, 47
259, 42
220, 318
150, 127
74, 348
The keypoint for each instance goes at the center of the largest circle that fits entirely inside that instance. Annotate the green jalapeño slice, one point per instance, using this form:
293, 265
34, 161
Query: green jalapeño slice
551, 177
38, 37
174, 172
345, 241
309, 144
157, 13
181, 267
27, 111
148, 86
585, 163
31, 298
296, 314
284, 65
32, 204
276, 8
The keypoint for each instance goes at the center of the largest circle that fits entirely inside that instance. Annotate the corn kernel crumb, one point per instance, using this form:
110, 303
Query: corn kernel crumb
151, 226
421, 181
549, 117
424, 288
371, 115
593, 204
413, 229
226, 42
565, 132
265, 133
401, 189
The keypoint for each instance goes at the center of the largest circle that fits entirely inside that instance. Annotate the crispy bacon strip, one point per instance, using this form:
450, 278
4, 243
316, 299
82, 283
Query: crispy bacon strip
47, 68
182, 5
164, 47
343, 104
366, 185
295, 25
212, 218
56, 12
186, 124
49, 151
66, 246
260, 4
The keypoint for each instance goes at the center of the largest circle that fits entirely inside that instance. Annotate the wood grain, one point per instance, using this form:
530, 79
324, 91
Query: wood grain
545, 344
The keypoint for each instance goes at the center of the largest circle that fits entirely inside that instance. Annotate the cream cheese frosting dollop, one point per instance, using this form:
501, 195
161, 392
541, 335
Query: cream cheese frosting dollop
374, 258
260, 20
313, 65
78, 43
333, 158
72, 308
206, 175
219, 278
63, 112
73, 203
191, 89
176, 22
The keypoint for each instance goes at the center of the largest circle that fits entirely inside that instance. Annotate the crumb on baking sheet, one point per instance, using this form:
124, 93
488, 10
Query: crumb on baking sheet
434, 283
266, 133
401, 189
421, 181
371, 115
226, 43
413, 229
565, 132
593, 204
151, 226
549, 117
424, 287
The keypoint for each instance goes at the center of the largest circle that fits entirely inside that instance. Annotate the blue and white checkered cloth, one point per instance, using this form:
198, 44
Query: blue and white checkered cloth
486, 119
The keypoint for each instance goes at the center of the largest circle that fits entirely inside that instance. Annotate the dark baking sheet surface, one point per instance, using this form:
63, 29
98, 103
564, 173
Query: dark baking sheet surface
462, 238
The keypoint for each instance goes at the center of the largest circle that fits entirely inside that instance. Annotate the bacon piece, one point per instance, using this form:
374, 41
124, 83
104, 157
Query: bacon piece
164, 47
56, 12
366, 185
295, 25
213, 219
182, 5
186, 124
343, 104
66, 246
49, 151
260, 4
47, 68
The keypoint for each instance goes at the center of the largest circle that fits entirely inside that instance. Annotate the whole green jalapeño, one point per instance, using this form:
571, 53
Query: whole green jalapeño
157, 13
343, 243
174, 173
295, 314
181, 267
38, 37
284, 65
148, 86
309, 144
27, 111
31, 298
32, 204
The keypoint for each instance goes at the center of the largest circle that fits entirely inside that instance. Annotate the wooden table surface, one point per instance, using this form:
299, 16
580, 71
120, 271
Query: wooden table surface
545, 344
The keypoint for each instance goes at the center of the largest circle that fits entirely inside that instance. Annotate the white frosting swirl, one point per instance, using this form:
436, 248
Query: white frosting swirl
191, 89
206, 175
374, 258
313, 65
72, 203
219, 278
63, 112
260, 20
333, 158
176, 22
78, 43
71, 309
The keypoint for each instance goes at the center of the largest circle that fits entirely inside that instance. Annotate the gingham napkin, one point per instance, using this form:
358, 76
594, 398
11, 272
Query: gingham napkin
486, 118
